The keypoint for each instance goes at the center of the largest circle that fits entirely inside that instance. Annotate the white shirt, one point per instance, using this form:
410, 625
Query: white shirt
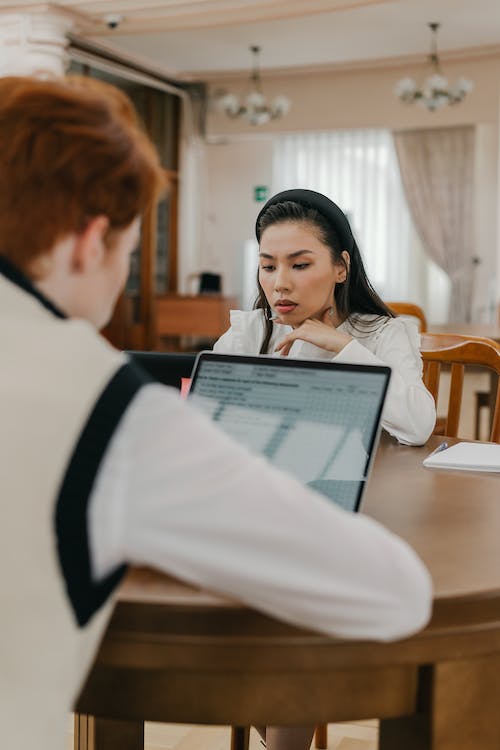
176, 493
409, 411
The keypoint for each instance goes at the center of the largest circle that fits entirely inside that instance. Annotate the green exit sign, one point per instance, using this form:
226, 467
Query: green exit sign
260, 193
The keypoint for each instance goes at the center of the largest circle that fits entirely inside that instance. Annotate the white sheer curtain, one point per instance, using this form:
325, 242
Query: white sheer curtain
358, 169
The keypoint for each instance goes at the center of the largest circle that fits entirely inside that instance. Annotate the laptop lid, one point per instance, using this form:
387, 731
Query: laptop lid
165, 367
317, 420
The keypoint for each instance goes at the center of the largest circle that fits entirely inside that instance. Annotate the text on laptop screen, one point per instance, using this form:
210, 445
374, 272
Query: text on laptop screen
317, 423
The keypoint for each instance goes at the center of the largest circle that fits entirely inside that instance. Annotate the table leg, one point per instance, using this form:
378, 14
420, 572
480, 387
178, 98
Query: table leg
240, 737
93, 733
321, 737
462, 714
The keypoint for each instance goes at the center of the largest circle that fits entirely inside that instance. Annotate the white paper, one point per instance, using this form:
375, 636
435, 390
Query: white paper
467, 456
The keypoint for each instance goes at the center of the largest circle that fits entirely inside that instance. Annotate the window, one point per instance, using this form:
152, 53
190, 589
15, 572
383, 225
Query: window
358, 169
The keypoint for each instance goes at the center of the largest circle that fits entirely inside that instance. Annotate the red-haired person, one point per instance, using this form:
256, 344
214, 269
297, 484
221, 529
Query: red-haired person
101, 467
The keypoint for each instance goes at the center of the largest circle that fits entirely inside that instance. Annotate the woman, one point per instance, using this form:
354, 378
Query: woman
315, 301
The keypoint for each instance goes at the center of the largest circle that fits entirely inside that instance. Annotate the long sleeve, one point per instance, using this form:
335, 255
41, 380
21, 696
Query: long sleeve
175, 493
226, 344
245, 335
409, 411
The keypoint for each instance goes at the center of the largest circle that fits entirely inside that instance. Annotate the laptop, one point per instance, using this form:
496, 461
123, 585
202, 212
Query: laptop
165, 367
317, 420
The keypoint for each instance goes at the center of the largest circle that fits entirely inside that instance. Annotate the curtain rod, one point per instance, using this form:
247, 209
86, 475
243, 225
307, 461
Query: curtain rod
110, 61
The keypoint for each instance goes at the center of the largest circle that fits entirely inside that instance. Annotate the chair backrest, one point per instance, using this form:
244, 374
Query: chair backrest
459, 351
408, 308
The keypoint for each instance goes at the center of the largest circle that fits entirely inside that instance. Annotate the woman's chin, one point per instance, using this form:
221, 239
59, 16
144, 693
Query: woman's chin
291, 320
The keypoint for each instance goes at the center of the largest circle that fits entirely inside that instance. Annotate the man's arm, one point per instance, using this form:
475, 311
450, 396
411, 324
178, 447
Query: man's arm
177, 494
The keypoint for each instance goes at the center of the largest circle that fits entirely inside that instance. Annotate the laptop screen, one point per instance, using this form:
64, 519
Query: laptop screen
318, 421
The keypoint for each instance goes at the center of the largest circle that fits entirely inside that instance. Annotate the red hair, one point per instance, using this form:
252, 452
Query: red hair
70, 150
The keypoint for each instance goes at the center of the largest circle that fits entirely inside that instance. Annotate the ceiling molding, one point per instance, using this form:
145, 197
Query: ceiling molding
463, 55
142, 17
159, 15
142, 64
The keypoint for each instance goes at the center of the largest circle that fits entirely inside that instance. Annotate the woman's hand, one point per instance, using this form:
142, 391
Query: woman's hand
320, 332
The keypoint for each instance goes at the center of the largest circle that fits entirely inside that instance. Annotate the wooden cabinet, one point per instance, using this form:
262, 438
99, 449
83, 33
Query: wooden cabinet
193, 315
154, 264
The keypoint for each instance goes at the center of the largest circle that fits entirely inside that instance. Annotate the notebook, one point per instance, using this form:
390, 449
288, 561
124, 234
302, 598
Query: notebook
467, 457
317, 420
166, 367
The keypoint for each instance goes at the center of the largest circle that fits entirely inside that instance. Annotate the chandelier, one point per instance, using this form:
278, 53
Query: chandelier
435, 91
254, 107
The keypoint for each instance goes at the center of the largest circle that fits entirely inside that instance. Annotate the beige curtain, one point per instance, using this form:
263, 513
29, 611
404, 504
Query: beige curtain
437, 170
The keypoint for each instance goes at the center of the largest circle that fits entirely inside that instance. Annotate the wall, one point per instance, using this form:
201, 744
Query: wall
364, 98
234, 168
239, 156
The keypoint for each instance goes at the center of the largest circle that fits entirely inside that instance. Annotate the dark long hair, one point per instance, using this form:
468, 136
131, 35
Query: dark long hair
354, 295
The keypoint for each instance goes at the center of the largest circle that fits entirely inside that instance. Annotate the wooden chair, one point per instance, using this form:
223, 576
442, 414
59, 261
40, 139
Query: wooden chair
458, 352
410, 309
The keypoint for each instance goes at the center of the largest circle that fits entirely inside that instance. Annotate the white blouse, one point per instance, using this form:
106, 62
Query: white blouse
409, 412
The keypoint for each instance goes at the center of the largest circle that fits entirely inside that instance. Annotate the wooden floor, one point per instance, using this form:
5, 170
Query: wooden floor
361, 735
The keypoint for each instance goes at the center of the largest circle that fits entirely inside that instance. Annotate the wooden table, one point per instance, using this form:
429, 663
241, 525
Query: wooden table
487, 330
176, 654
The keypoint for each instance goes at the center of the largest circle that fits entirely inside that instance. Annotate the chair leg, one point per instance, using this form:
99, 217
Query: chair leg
477, 416
482, 401
321, 736
240, 737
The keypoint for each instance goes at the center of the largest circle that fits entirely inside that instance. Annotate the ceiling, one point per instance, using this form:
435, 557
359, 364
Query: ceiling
203, 38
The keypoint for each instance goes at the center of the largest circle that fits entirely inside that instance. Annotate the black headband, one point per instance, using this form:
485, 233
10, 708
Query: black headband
322, 204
